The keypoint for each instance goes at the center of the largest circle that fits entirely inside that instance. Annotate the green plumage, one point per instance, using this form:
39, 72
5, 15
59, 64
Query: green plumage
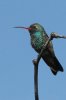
38, 39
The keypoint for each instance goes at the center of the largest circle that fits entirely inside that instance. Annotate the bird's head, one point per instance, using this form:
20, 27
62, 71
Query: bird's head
33, 28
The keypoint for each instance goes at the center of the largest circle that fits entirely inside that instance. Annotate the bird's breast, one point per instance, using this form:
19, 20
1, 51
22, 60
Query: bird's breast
37, 41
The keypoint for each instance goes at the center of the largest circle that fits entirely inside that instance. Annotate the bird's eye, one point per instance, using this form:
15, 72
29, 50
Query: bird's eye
35, 27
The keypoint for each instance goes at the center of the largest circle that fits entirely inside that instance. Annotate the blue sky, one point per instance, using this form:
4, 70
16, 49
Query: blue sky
16, 54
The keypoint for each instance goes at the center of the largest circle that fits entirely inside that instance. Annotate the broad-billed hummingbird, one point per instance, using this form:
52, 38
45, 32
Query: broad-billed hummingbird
39, 37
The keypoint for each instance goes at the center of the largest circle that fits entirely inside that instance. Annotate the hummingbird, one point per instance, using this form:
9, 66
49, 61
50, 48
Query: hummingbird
39, 37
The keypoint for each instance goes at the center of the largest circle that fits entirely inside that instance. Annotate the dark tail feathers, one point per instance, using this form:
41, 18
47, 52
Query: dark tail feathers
60, 68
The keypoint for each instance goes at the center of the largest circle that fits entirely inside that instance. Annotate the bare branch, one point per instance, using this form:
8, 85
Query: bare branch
36, 80
55, 35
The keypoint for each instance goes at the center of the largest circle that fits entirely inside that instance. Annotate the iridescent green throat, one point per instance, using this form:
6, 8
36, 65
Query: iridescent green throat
37, 40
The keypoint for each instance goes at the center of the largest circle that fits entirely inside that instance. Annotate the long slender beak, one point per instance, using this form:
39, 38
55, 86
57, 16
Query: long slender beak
27, 28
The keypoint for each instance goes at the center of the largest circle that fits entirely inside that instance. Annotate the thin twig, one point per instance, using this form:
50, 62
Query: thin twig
36, 62
36, 81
